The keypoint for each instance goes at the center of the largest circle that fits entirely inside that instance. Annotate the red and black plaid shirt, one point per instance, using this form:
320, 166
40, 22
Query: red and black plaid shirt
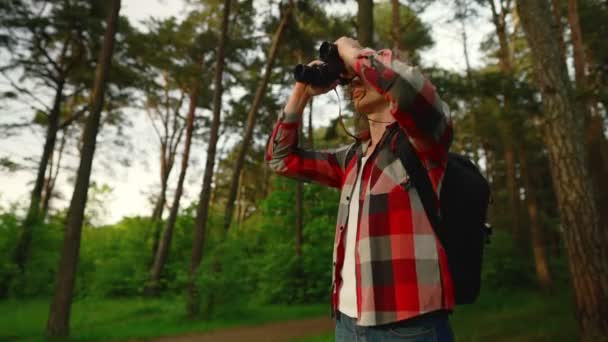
401, 268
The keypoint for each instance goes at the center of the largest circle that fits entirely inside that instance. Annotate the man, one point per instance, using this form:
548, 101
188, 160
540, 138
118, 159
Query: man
390, 276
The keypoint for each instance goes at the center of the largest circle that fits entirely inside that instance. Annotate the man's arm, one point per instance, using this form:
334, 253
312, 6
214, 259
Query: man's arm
415, 103
284, 156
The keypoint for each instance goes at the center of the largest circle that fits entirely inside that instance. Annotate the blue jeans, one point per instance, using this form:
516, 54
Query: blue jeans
433, 327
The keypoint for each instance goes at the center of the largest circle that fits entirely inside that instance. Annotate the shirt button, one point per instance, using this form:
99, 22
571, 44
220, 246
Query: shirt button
341, 227
347, 198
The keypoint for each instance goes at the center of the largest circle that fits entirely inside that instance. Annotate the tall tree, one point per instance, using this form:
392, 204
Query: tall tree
253, 113
537, 236
365, 22
59, 316
53, 173
165, 243
163, 106
406, 35
396, 26
500, 12
49, 48
594, 124
189, 50
202, 210
585, 239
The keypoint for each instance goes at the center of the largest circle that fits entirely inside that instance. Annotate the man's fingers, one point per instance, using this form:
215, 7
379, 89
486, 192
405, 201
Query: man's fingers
315, 62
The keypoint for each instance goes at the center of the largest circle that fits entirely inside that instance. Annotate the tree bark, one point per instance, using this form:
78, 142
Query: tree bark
396, 30
52, 180
165, 243
578, 48
543, 273
365, 22
159, 207
59, 316
505, 125
585, 239
252, 115
557, 14
202, 210
594, 125
33, 214
461, 16
499, 18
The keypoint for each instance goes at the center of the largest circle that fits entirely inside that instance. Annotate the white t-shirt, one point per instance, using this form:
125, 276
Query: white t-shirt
348, 291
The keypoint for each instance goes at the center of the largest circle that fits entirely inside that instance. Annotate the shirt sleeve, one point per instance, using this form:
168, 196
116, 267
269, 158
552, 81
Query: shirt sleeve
414, 102
286, 158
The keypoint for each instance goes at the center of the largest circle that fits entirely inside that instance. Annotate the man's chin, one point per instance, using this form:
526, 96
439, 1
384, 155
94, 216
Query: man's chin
362, 107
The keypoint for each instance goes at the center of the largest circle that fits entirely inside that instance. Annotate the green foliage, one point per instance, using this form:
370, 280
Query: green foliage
258, 261
113, 258
9, 228
504, 266
414, 34
39, 275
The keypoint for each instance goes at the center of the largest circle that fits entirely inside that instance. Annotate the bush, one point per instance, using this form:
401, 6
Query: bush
114, 260
504, 266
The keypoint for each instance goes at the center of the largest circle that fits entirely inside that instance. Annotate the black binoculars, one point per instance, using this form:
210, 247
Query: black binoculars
322, 74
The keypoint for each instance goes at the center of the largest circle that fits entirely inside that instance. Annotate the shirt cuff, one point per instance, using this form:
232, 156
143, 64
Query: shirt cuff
290, 118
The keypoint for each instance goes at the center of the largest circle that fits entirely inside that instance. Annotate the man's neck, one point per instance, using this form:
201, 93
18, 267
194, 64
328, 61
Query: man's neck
377, 124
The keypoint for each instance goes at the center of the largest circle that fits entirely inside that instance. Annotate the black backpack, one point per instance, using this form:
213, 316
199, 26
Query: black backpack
460, 223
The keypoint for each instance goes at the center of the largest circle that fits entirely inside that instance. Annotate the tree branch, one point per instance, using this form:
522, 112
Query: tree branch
154, 125
25, 91
74, 117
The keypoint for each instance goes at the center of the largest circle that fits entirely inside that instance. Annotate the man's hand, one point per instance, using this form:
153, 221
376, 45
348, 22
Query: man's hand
302, 93
314, 91
348, 49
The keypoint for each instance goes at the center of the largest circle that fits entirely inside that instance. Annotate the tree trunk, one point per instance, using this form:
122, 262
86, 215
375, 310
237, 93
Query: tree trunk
585, 239
240, 207
159, 207
513, 187
557, 14
597, 157
59, 316
499, 18
577, 44
33, 214
505, 124
462, 7
594, 125
165, 243
202, 210
365, 23
252, 115
22, 249
396, 30
52, 180
543, 274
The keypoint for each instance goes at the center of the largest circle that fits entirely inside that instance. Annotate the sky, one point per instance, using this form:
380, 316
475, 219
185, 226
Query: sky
132, 186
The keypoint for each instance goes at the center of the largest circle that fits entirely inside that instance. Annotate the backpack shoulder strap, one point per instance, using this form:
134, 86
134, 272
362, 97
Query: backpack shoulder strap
420, 178
351, 152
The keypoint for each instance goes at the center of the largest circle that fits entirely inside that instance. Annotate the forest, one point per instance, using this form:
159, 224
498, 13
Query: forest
227, 243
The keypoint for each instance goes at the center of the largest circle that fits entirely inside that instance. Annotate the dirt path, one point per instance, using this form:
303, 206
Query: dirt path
272, 332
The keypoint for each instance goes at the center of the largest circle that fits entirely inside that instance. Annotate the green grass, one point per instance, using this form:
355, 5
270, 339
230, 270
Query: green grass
114, 319
509, 317
517, 316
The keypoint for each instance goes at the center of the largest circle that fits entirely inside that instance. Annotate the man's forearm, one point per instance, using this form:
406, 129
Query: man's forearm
297, 101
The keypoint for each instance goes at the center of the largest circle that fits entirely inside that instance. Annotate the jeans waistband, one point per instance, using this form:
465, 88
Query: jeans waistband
426, 317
